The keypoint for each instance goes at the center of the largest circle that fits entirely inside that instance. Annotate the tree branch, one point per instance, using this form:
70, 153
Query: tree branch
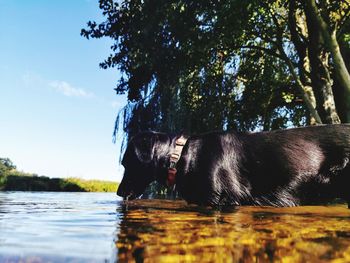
306, 92
266, 50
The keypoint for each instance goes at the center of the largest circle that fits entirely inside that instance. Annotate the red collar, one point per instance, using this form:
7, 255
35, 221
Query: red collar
174, 158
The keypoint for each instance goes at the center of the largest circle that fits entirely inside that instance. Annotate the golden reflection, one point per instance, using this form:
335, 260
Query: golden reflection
172, 231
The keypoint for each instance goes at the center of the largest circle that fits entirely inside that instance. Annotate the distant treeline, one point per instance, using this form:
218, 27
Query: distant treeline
13, 180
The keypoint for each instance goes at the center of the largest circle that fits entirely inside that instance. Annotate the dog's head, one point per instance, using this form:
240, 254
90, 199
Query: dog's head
141, 162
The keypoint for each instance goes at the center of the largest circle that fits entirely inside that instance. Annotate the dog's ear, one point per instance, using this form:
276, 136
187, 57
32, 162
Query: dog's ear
144, 147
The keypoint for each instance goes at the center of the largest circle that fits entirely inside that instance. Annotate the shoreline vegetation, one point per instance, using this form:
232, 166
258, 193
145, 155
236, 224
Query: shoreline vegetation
13, 180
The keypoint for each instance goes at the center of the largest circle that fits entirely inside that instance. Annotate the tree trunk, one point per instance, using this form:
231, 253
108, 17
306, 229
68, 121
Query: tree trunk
338, 89
340, 70
299, 43
301, 48
320, 76
305, 90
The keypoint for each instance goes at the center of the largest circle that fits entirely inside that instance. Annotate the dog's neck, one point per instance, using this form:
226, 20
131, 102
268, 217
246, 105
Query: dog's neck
175, 155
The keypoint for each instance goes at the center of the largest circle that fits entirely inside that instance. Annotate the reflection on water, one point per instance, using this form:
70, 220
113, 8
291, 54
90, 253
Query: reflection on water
168, 231
96, 227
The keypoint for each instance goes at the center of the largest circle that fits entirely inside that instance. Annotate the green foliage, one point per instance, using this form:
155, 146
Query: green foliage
14, 180
7, 163
93, 185
214, 65
6, 167
185, 66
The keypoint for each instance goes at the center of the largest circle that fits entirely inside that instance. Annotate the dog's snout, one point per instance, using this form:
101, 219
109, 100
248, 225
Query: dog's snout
127, 195
120, 192
122, 189
125, 189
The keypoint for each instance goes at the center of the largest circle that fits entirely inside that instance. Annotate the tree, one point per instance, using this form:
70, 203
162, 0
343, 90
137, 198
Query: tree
6, 165
228, 64
327, 24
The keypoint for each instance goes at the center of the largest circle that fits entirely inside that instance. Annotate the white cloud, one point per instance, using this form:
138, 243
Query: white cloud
33, 79
70, 91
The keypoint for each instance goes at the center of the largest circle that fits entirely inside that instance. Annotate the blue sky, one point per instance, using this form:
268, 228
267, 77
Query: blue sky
57, 107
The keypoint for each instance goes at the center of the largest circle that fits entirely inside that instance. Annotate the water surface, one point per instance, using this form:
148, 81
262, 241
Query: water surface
57, 227
168, 231
98, 227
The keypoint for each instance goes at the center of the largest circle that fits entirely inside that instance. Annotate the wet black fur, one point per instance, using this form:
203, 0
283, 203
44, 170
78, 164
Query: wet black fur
281, 168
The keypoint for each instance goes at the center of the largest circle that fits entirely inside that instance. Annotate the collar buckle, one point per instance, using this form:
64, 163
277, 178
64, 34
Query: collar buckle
172, 165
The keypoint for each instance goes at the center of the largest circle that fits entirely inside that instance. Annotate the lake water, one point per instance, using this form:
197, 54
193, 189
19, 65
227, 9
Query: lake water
99, 227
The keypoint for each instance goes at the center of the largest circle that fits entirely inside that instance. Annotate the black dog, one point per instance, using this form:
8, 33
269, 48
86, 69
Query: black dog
281, 168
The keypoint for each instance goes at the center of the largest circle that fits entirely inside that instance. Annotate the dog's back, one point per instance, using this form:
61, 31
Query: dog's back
282, 168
